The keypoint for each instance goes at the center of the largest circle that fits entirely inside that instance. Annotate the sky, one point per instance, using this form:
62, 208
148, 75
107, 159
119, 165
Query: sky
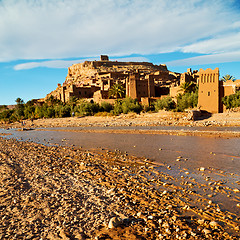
40, 39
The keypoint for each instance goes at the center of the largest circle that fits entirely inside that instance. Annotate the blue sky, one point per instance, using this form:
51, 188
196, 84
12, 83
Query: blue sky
39, 39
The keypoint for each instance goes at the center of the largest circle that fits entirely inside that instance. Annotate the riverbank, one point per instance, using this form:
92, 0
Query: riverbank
162, 118
51, 192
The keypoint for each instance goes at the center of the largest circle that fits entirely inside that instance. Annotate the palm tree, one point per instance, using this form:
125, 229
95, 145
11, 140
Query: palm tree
187, 87
117, 90
228, 77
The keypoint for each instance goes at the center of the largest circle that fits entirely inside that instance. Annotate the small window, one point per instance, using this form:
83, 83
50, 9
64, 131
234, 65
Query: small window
208, 93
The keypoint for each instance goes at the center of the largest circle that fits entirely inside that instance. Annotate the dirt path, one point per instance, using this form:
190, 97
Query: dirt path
65, 193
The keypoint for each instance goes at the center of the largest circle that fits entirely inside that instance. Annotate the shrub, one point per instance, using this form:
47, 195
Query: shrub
6, 115
232, 101
131, 105
127, 105
166, 103
49, 113
62, 111
187, 100
39, 112
87, 108
29, 111
106, 107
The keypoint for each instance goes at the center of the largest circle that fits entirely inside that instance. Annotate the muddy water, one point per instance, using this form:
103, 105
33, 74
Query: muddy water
217, 153
219, 156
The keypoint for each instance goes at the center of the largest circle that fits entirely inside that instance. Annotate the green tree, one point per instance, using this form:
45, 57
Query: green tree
166, 103
232, 101
19, 110
227, 77
106, 107
126, 105
72, 102
117, 91
51, 101
187, 87
187, 100
19, 101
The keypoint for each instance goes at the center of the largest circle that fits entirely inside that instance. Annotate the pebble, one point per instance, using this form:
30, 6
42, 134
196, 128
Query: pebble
60, 189
207, 231
213, 224
114, 222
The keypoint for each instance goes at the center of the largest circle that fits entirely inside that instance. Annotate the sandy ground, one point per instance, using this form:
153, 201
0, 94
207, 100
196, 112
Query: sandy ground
58, 193
144, 119
162, 118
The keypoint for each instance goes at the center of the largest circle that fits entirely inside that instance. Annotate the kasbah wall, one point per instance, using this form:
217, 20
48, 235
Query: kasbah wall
144, 81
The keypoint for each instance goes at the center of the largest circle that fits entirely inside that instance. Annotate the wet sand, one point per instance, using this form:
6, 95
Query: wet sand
50, 192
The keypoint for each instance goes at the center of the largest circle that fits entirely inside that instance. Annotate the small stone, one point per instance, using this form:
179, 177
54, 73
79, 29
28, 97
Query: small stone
206, 231
202, 169
139, 214
114, 222
236, 190
168, 231
201, 221
213, 224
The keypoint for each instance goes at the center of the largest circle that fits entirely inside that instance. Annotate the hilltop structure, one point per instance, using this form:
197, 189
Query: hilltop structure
143, 81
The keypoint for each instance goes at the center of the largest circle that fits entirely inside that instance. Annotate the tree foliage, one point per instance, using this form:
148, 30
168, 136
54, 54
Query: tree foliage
232, 101
127, 105
188, 87
187, 100
227, 77
166, 103
117, 91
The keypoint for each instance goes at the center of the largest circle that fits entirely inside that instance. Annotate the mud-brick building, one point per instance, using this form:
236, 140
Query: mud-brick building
65, 92
137, 88
211, 90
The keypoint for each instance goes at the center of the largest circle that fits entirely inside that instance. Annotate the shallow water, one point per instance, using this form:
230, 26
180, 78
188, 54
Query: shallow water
217, 153
219, 156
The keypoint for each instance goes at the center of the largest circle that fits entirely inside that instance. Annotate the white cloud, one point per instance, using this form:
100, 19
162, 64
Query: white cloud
222, 44
207, 59
67, 63
56, 29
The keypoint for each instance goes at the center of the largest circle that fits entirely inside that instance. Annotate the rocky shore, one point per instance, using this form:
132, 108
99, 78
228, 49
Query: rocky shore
50, 192
162, 118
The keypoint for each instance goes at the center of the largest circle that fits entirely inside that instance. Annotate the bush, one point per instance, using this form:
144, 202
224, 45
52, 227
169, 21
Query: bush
131, 105
127, 105
49, 113
87, 108
187, 100
29, 111
62, 111
106, 107
232, 101
166, 103
6, 115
